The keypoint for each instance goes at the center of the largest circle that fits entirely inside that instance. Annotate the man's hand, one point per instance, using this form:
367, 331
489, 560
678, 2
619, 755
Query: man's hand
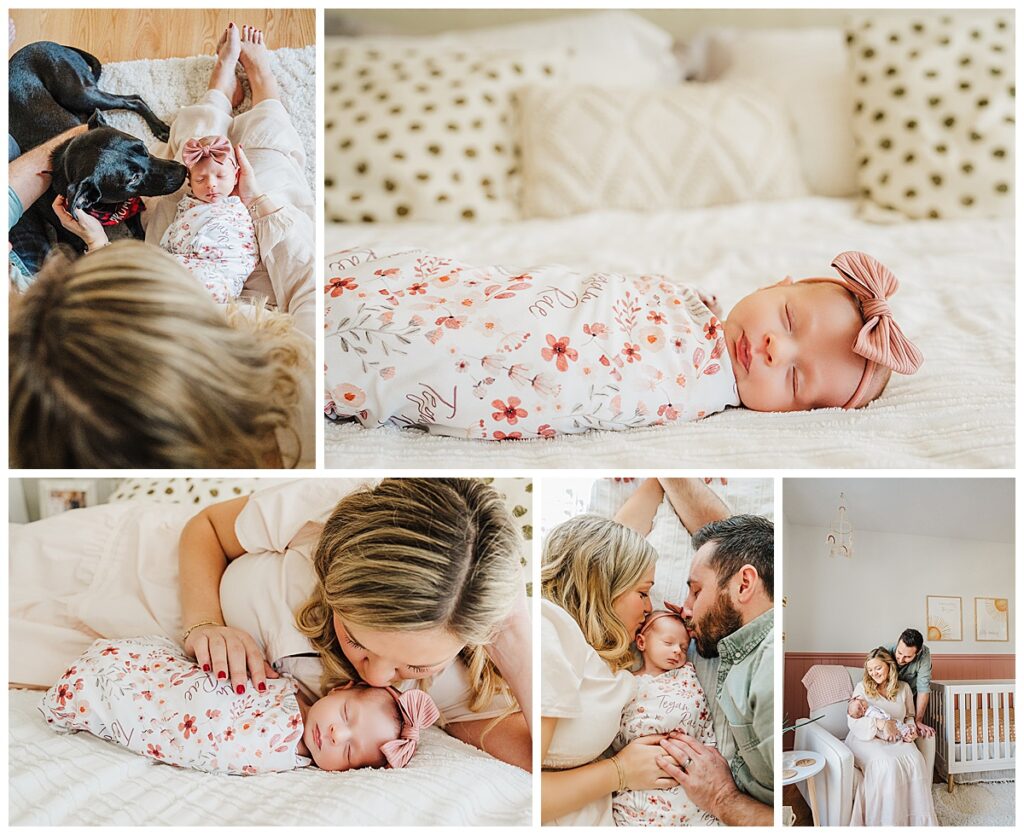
701, 771
923, 729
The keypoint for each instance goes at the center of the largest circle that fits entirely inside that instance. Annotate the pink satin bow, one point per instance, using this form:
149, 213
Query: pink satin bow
880, 340
219, 150
418, 711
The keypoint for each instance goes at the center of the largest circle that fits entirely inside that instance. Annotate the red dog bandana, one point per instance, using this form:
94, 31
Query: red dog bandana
129, 208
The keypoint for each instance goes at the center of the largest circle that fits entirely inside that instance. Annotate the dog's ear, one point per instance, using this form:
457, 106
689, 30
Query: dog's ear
98, 120
81, 195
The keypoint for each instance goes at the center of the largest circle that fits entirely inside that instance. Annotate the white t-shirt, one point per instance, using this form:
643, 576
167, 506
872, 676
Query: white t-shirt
580, 690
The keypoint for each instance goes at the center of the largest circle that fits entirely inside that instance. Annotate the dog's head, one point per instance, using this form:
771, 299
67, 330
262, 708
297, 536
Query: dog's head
106, 167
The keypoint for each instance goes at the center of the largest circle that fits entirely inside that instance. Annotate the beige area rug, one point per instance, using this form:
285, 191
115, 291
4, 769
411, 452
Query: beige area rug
977, 804
168, 84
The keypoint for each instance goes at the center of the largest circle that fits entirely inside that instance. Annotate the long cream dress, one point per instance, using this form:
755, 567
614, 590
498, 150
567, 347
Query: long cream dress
580, 690
895, 789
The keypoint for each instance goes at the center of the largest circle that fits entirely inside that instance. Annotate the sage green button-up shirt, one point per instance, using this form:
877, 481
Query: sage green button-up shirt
918, 673
741, 682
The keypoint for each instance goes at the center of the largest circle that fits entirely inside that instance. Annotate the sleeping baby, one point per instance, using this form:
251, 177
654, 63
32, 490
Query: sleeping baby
886, 727
416, 340
212, 234
668, 698
146, 695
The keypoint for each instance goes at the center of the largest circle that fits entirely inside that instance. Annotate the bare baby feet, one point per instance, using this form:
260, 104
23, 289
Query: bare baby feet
223, 77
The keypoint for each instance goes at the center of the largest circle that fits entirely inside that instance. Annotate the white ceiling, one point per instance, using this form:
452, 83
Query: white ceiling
957, 508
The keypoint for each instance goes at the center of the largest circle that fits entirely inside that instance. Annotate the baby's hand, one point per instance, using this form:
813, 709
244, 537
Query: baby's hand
710, 301
910, 734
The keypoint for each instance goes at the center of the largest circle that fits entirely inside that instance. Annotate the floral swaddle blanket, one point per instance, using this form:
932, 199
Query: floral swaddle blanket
148, 696
671, 701
216, 242
417, 340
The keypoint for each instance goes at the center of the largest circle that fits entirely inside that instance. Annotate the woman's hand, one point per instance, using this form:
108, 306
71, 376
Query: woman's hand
639, 762
248, 188
887, 730
86, 227
229, 653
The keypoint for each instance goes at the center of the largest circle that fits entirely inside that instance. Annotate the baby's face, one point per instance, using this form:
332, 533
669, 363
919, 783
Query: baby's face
858, 707
346, 728
791, 347
211, 180
665, 644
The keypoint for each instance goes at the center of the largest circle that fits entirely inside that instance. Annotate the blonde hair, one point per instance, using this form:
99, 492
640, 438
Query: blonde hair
588, 562
888, 691
121, 359
414, 554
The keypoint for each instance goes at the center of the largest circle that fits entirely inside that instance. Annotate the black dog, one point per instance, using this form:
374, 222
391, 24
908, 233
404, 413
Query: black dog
103, 171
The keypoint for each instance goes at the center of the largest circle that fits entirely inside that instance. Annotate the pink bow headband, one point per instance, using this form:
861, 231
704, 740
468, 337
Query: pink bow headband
418, 711
880, 341
219, 150
670, 611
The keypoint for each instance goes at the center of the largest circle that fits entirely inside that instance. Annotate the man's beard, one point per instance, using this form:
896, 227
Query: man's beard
720, 622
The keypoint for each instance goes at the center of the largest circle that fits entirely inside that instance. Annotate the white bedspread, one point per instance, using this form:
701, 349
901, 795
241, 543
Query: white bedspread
80, 779
956, 302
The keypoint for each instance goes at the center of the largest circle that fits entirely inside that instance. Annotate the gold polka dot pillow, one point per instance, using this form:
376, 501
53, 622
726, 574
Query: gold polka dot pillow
194, 491
933, 113
425, 134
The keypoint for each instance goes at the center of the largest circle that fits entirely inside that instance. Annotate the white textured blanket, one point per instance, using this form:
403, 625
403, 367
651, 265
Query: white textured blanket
80, 779
168, 84
956, 301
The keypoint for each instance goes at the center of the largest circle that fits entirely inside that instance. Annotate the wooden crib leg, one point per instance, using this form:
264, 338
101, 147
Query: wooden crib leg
949, 786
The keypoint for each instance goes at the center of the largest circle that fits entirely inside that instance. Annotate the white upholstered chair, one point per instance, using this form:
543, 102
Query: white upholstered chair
837, 783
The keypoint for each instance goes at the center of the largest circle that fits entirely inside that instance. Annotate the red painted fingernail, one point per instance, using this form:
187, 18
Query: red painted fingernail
206, 668
263, 686
240, 689
222, 674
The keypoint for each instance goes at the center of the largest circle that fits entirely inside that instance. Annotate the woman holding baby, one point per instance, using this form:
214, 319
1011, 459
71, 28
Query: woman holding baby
414, 583
896, 789
596, 580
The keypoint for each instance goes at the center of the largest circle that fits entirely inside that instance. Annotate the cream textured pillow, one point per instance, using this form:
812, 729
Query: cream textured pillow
934, 114
807, 69
418, 133
649, 148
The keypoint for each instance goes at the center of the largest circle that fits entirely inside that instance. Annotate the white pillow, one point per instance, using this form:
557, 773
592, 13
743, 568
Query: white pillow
424, 134
606, 47
807, 70
651, 148
934, 114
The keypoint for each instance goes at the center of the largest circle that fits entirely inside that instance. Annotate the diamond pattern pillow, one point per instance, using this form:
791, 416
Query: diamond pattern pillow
650, 148
933, 113
425, 134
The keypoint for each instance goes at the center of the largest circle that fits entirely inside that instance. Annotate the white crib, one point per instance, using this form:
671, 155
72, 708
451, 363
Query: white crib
974, 728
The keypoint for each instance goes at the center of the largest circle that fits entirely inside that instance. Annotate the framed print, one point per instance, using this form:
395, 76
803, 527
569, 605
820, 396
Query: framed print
57, 495
945, 618
991, 619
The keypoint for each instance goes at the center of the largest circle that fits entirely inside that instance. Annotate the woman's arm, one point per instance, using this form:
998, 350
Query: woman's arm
639, 510
208, 542
571, 789
694, 502
508, 741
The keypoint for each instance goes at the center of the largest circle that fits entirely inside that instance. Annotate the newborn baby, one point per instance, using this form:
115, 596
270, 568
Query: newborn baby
145, 694
212, 234
668, 698
413, 339
884, 723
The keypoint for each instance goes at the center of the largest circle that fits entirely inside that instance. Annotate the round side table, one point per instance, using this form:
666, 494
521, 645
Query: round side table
798, 766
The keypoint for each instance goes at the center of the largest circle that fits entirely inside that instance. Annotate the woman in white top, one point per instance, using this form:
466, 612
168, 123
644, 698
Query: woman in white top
896, 787
596, 580
409, 581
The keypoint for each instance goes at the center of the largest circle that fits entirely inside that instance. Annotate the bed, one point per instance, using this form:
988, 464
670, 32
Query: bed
956, 299
957, 411
82, 780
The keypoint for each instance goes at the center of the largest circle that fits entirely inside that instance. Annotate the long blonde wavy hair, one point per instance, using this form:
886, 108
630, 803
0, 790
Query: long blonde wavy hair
414, 554
891, 683
121, 359
587, 563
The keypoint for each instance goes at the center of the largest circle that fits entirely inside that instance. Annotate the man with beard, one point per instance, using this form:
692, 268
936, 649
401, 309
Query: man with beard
729, 612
